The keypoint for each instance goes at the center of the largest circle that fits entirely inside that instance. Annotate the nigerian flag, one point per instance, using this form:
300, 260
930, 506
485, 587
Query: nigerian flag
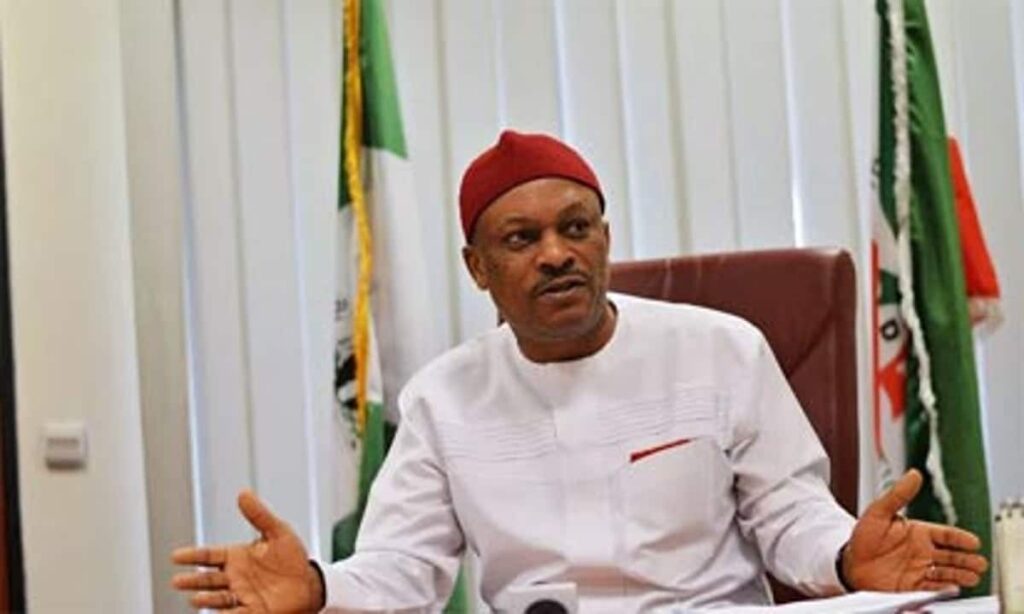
380, 341
927, 410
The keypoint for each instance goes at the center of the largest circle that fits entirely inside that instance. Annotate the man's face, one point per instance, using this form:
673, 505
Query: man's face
541, 250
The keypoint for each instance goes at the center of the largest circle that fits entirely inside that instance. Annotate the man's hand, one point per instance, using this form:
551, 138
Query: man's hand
887, 552
271, 574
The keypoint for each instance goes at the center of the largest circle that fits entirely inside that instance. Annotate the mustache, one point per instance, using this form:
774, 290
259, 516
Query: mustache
574, 275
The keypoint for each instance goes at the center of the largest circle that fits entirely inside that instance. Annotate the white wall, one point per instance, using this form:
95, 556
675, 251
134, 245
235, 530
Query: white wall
84, 532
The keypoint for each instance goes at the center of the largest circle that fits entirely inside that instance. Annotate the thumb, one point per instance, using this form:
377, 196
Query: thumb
259, 515
897, 497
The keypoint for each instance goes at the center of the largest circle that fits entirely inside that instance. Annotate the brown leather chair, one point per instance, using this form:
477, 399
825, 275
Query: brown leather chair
804, 301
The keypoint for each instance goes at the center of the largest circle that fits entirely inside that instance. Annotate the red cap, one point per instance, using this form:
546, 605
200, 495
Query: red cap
514, 160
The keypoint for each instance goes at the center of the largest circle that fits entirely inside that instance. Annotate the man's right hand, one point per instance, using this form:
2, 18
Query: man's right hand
271, 574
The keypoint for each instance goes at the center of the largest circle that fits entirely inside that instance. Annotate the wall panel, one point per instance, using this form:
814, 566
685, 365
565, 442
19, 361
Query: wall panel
220, 376
73, 320
649, 93
471, 82
311, 31
860, 59
419, 71
592, 91
155, 158
819, 120
761, 142
271, 287
707, 177
528, 96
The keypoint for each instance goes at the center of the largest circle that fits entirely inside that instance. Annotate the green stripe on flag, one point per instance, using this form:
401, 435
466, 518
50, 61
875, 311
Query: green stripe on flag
382, 115
376, 438
939, 287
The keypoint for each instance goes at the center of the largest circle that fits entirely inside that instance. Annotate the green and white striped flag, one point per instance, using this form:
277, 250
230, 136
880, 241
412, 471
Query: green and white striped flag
927, 409
377, 223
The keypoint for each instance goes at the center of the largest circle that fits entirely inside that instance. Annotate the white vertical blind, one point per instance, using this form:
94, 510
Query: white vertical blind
471, 83
761, 141
528, 91
824, 199
312, 69
705, 124
220, 374
420, 75
269, 249
650, 90
592, 103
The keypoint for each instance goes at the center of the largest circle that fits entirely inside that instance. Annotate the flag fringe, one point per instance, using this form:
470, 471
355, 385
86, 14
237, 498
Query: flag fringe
986, 314
901, 121
353, 148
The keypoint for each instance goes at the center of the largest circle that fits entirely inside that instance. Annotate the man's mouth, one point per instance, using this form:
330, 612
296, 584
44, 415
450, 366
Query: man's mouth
562, 286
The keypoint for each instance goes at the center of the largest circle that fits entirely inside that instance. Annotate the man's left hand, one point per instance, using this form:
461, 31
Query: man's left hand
887, 552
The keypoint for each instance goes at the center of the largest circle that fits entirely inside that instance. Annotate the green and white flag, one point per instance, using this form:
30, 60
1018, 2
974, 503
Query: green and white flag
379, 265
927, 409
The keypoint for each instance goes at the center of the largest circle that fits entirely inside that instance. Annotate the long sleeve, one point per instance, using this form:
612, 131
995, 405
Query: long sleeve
409, 546
782, 477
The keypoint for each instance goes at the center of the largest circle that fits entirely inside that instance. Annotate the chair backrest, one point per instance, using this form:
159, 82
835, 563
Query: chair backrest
804, 301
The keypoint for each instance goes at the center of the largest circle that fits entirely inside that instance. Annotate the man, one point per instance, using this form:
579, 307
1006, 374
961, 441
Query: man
651, 454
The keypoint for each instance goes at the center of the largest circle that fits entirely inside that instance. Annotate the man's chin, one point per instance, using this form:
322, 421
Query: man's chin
569, 322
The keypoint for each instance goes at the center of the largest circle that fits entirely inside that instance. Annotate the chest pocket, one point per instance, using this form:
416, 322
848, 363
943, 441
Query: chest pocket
673, 483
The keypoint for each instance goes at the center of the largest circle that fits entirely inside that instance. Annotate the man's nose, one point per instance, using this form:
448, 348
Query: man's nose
554, 256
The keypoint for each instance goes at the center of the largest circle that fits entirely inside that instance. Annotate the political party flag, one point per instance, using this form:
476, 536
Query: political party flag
926, 404
979, 273
377, 342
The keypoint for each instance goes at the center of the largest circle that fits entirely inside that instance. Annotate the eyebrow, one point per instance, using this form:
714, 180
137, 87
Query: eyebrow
574, 208
515, 220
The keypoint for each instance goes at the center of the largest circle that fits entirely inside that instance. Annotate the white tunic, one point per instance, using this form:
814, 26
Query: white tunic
671, 468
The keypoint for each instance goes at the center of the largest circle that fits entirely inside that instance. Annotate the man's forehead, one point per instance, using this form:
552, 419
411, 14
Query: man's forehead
547, 196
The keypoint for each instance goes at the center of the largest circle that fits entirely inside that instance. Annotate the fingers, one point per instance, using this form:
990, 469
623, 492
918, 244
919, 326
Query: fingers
939, 587
202, 581
214, 556
259, 515
952, 537
952, 575
897, 497
971, 562
214, 600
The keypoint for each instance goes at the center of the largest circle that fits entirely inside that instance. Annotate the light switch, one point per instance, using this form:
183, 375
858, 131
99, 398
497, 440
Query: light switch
64, 445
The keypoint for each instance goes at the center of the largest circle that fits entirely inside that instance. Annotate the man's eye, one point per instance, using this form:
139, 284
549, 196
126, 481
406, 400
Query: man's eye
516, 240
577, 228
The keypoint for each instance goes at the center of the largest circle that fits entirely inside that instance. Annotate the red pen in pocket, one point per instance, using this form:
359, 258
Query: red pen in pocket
641, 454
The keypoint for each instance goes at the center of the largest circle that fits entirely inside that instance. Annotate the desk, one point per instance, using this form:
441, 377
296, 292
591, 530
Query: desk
872, 603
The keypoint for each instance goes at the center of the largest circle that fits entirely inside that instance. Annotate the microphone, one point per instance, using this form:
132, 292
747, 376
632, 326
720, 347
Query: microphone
546, 606
550, 598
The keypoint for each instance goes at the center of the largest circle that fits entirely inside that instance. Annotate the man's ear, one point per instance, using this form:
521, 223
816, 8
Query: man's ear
607, 252
475, 265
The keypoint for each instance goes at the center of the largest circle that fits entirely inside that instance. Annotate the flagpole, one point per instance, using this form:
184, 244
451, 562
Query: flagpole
353, 146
